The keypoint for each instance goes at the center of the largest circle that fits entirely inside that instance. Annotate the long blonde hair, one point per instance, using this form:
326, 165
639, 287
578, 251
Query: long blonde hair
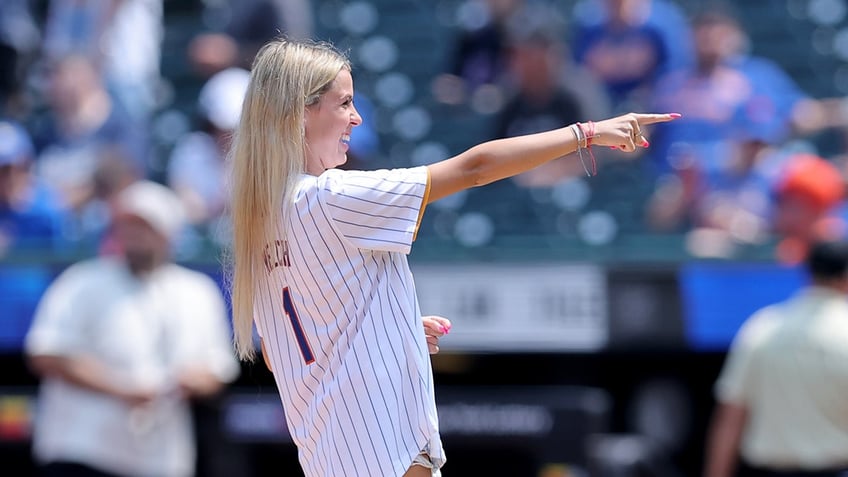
267, 158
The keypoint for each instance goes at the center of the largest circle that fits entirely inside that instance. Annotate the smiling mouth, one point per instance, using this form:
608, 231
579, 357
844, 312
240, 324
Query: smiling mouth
345, 139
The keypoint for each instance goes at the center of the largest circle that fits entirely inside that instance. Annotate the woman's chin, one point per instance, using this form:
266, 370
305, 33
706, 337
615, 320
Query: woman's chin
342, 159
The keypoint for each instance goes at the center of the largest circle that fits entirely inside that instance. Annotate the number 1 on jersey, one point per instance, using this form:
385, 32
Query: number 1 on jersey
299, 335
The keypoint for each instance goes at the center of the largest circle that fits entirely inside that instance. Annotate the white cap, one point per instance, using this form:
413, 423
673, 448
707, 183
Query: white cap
155, 204
221, 98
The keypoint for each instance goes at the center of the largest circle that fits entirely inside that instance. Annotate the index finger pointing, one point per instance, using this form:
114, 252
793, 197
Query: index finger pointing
655, 118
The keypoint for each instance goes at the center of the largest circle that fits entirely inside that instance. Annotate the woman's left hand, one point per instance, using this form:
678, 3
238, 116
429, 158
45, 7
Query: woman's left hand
434, 328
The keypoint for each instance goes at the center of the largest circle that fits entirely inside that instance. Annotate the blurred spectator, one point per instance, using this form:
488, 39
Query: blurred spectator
540, 86
478, 57
241, 27
628, 44
538, 96
702, 164
718, 168
768, 193
122, 39
122, 344
781, 394
736, 205
81, 123
30, 215
808, 194
197, 169
728, 90
89, 226
19, 43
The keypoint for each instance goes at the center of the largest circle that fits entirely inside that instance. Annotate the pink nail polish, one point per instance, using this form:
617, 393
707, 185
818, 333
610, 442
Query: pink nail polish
444, 330
675, 115
646, 144
613, 147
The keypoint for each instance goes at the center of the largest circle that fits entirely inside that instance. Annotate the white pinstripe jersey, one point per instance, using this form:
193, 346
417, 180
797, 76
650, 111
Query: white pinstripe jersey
340, 320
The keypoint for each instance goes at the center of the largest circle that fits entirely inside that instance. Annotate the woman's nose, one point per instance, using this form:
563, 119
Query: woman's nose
355, 118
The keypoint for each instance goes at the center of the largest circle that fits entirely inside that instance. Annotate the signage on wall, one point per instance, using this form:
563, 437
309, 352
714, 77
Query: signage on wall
517, 307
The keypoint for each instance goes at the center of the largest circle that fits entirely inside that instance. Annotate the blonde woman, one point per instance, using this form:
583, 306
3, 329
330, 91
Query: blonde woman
319, 261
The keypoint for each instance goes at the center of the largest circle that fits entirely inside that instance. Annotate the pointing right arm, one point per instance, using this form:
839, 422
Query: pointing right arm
502, 158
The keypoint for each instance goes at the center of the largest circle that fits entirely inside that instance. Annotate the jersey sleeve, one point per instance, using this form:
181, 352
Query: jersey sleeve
737, 377
376, 210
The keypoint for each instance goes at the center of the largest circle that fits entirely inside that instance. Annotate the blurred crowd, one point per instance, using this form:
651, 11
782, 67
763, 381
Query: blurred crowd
730, 173
81, 84
80, 88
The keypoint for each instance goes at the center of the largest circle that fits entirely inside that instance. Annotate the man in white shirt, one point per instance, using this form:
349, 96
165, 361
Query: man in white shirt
782, 403
122, 343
